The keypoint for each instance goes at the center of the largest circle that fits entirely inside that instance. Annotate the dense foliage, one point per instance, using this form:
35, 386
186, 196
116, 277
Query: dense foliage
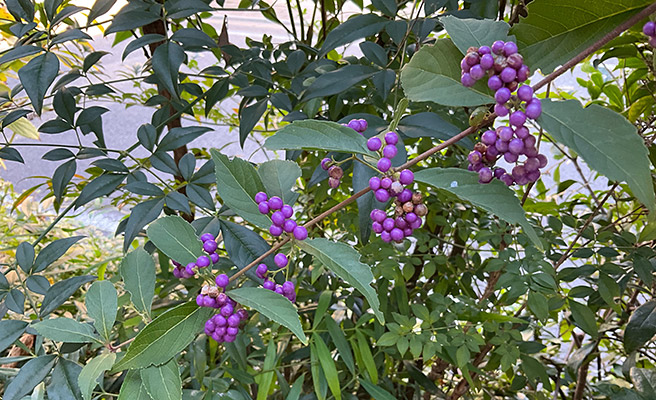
360, 263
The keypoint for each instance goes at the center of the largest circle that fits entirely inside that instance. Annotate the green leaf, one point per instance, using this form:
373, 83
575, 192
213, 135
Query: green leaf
176, 238
15, 301
361, 175
10, 331
63, 384
11, 154
166, 61
318, 378
338, 81
37, 76
138, 272
30, 375
539, 305
163, 382
367, 358
141, 215
19, 52
279, 178
534, 370
328, 366
584, 318
428, 124
249, 117
165, 337
38, 284
133, 388
644, 381
62, 177
375, 391
237, 182
53, 251
343, 348
546, 44
180, 136
273, 306
467, 33
25, 256
244, 246
100, 186
297, 388
88, 378
433, 74
131, 17
353, 29
641, 327
605, 140
102, 305
99, 8
142, 41
66, 330
265, 379
61, 291
344, 261
494, 197
193, 38
318, 135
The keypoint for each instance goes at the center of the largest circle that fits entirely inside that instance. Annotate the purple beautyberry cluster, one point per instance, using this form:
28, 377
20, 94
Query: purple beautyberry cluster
335, 172
649, 29
287, 289
505, 70
224, 326
281, 216
388, 152
358, 125
209, 246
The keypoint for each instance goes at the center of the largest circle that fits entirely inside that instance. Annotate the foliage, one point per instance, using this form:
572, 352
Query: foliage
543, 291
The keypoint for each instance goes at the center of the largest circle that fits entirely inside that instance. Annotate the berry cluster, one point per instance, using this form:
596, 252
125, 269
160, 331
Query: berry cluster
358, 125
505, 70
281, 216
389, 151
649, 29
287, 289
209, 246
224, 326
335, 172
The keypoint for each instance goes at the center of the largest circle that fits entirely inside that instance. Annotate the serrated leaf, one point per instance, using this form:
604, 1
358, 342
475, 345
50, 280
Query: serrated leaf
353, 29
318, 135
37, 76
102, 305
344, 261
546, 45
163, 382
433, 74
88, 378
30, 375
66, 330
63, 384
641, 327
279, 178
273, 306
53, 251
138, 272
176, 238
237, 182
61, 291
165, 336
494, 197
10, 331
605, 140
469, 32
584, 318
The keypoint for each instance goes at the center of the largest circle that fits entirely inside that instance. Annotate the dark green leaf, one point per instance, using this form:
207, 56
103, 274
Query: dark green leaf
14, 116
178, 201
279, 177
142, 41
273, 306
19, 52
30, 375
111, 165
644, 381
237, 182
375, 391
133, 388
328, 366
166, 61
467, 33
433, 74
338, 81
144, 188
63, 383
318, 135
388, 7
217, 92
102, 305
249, 117
65, 13
92, 59
384, 82
584, 318
185, 8
353, 29
58, 154
100, 7
38, 284
68, 35
62, 177
90, 115
166, 336
127, 19
147, 135
344, 261
66, 330
641, 327
21, 9
428, 124
56, 125
192, 38
11, 154
61, 291
200, 196
141, 215
178, 137
163, 382
10, 331
138, 272
100, 186
343, 347
176, 238
374, 53
88, 378
25, 256
494, 197
37, 76
53, 251
244, 246
15, 301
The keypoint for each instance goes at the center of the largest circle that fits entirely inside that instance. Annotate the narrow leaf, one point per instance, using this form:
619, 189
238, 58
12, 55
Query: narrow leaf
88, 378
63, 384
30, 375
61, 291
102, 305
53, 251
328, 366
66, 330
138, 273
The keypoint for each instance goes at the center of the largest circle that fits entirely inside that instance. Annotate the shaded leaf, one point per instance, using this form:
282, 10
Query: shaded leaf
10, 331
30, 375
63, 384
353, 29
61, 291
466, 33
53, 251
641, 327
163, 382
37, 76
279, 177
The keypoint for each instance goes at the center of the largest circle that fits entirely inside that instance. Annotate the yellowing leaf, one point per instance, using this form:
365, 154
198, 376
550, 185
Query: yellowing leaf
24, 128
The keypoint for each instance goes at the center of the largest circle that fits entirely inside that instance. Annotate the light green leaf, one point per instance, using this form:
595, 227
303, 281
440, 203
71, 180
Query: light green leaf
237, 182
102, 305
344, 261
138, 273
318, 135
163, 382
165, 337
584, 318
271, 305
433, 74
557, 30
176, 238
328, 366
605, 140
644, 381
23, 127
94, 369
37, 76
469, 32
265, 379
494, 197
279, 177
30, 375
63, 384
641, 327
133, 388
66, 330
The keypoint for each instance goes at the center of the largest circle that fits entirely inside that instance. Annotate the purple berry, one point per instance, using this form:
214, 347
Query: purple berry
522, 74
385, 236
200, 300
508, 74
405, 196
385, 183
501, 146
300, 233
487, 61
376, 227
411, 217
222, 280
261, 271
494, 82
333, 182
275, 203
185, 274
485, 175
533, 109
507, 179
390, 151
374, 183
260, 197
287, 211
269, 285
525, 93
384, 164
530, 151
518, 172
203, 261
475, 167
381, 195
396, 234
533, 176
243, 314
543, 160
229, 338
325, 163
475, 157
363, 125
500, 110
400, 223
652, 41
176, 272
509, 48
521, 132
206, 237
467, 80
209, 302
532, 164
515, 60
275, 230
510, 157
491, 152
280, 260
472, 59
222, 299
227, 310
489, 137
477, 72
374, 144
231, 331
278, 289
210, 246
517, 118
497, 47
502, 95
209, 325
354, 124
278, 218
529, 141
263, 207
379, 215
484, 50
416, 224
406, 177
505, 133
516, 146
289, 226
388, 224
288, 287
233, 320
649, 28
395, 189
190, 268
391, 138
464, 67
498, 172
407, 232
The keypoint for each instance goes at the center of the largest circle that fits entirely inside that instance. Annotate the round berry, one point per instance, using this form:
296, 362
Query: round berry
376, 227
243, 314
260, 197
336, 172
505, 133
500, 110
400, 223
485, 175
281, 260
521, 132
507, 179
185, 274
476, 167
200, 300
325, 163
543, 160
209, 325
510, 157
405, 196
209, 302
406, 177
501, 146
300, 233
533, 109
288, 287
502, 95
497, 47
278, 218
203, 261
261, 271
518, 172
477, 72
177, 273
532, 164
385, 236
190, 268
381, 195
384, 164
464, 67
517, 118
287, 211
484, 50
390, 151
509, 48
489, 137
649, 29
508, 74
472, 59
491, 152
289, 226
269, 285
385, 183
530, 151
487, 61
206, 237
278, 289
533, 176
391, 138
416, 224
231, 331
227, 310
275, 203
354, 124
210, 246
515, 61
379, 215
222, 280
374, 143
333, 183
525, 93
374, 183
522, 74
467, 80
396, 188
263, 207
275, 230
396, 234
388, 224
494, 82
475, 157
229, 338
233, 320
529, 141
411, 217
